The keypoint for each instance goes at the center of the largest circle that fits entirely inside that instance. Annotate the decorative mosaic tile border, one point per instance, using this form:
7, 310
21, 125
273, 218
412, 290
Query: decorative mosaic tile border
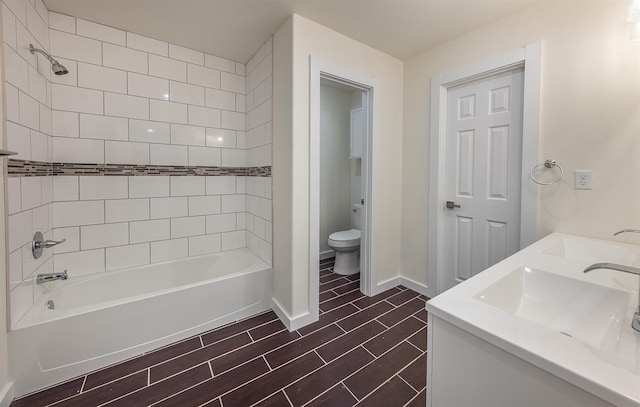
26, 168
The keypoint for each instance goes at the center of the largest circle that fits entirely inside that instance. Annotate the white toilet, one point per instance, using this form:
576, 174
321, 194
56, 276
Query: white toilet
346, 244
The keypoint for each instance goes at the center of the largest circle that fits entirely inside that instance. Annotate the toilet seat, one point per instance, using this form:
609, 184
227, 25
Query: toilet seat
345, 238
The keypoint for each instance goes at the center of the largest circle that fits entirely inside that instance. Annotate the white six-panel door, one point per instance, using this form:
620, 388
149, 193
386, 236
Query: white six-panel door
482, 174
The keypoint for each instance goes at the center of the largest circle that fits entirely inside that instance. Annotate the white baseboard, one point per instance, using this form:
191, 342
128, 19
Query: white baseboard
291, 323
327, 255
415, 286
7, 394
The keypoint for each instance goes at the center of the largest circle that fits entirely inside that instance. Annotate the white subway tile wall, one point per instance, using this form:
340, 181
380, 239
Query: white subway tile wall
255, 145
130, 99
28, 94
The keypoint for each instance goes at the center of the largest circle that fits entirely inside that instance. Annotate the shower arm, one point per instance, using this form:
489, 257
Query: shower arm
49, 57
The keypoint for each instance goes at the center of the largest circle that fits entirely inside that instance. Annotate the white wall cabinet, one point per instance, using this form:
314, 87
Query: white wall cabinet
357, 133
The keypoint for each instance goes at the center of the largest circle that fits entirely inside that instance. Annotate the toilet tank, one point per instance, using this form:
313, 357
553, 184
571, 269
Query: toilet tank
356, 216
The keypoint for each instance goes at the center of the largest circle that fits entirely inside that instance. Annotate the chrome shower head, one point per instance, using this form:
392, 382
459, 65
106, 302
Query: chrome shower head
56, 66
59, 69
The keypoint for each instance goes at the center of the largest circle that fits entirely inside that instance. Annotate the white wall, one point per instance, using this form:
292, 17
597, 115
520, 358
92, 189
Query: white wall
294, 42
590, 118
335, 165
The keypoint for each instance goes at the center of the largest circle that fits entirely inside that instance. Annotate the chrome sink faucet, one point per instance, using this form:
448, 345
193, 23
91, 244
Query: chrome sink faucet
635, 323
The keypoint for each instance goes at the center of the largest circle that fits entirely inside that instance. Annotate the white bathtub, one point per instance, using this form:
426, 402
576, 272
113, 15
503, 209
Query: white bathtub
105, 318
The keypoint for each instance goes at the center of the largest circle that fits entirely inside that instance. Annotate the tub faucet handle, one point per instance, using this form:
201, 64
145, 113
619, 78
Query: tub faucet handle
38, 244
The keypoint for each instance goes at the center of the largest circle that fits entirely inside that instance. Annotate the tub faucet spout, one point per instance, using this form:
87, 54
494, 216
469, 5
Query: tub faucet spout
635, 323
46, 277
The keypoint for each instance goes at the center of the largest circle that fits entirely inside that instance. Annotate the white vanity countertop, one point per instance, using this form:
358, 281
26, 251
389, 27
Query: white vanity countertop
609, 366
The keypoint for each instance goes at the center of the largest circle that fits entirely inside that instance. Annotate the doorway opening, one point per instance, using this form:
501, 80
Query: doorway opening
340, 174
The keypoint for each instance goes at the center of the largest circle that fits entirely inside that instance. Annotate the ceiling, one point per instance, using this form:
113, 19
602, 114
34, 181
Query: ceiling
235, 29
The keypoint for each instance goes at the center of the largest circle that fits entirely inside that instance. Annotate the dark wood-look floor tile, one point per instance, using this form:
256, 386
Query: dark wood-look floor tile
402, 297
394, 393
416, 373
214, 403
236, 328
108, 392
338, 396
422, 315
380, 370
327, 260
276, 400
140, 363
369, 301
354, 277
334, 283
419, 339
393, 317
267, 329
364, 316
326, 269
345, 343
382, 343
326, 377
328, 318
231, 360
214, 388
257, 390
303, 345
343, 289
340, 300
328, 278
327, 295
51, 395
420, 400
201, 355
165, 388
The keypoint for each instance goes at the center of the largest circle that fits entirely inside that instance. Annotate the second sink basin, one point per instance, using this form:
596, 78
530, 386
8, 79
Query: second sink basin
586, 250
588, 312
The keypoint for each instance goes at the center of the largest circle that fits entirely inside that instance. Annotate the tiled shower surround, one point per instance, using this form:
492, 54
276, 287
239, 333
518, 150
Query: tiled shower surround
187, 126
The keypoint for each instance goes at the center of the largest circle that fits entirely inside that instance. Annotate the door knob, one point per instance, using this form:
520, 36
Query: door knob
452, 205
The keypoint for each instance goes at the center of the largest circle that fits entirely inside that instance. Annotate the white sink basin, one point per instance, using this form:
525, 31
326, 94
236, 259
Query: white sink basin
594, 252
591, 313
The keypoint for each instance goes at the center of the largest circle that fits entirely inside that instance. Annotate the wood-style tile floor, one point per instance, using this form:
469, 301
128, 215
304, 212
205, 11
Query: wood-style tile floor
363, 351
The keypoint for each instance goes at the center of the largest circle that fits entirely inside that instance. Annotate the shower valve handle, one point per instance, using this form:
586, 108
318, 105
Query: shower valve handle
38, 244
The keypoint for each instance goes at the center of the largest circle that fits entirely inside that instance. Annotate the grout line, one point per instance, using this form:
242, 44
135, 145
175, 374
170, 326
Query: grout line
407, 341
369, 352
168, 397
149, 377
287, 396
211, 368
349, 390
83, 383
267, 362
321, 358
413, 398
408, 384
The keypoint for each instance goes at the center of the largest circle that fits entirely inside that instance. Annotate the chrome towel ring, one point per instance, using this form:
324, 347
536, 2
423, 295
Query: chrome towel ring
549, 163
